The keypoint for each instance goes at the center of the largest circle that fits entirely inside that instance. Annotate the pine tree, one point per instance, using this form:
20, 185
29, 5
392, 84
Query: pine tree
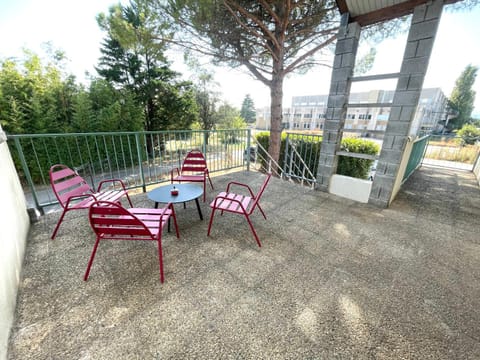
248, 110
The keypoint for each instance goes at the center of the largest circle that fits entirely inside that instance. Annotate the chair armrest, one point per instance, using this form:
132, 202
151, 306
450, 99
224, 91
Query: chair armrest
171, 173
100, 185
79, 197
162, 214
241, 185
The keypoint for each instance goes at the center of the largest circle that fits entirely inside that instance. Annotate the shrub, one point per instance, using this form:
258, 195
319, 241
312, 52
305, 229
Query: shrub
354, 167
469, 134
310, 153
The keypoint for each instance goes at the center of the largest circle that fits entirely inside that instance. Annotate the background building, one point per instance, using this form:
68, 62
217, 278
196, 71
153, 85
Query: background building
308, 113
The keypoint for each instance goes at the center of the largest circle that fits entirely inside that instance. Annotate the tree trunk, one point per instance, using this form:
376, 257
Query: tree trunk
276, 86
276, 114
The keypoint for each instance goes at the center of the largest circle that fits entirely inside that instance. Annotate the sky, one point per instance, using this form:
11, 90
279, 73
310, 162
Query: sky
71, 26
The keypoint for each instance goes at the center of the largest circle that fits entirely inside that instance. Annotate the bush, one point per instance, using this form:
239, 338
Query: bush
469, 134
354, 167
310, 153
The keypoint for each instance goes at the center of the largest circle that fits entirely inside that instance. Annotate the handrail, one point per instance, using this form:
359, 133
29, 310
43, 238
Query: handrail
301, 162
269, 158
305, 166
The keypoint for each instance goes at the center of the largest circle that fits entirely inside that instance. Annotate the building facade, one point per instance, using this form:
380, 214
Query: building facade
307, 113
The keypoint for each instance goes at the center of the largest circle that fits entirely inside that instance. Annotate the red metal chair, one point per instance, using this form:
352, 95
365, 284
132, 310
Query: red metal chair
73, 192
111, 221
193, 169
239, 204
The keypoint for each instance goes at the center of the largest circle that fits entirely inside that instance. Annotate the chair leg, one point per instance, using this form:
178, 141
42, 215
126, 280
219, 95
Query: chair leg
160, 259
253, 231
261, 210
210, 180
204, 190
90, 262
129, 201
58, 224
211, 221
174, 221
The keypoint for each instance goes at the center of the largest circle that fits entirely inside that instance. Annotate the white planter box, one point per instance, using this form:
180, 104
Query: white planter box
351, 188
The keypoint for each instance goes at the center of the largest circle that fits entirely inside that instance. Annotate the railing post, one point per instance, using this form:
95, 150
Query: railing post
427, 141
140, 164
205, 140
285, 160
247, 151
27, 173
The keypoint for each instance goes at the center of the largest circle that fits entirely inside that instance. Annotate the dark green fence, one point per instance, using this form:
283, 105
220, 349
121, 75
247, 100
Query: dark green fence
138, 158
416, 156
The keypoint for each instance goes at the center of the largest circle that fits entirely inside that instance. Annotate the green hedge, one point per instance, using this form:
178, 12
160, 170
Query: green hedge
310, 152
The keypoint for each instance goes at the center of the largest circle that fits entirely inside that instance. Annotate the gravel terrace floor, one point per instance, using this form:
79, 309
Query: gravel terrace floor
334, 279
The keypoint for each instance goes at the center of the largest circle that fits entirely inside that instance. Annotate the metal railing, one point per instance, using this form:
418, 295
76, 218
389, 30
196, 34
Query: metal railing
138, 158
261, 160
452, 152
302, 152
416, 156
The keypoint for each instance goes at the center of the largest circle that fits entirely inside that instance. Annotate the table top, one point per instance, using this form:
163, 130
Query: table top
186, 192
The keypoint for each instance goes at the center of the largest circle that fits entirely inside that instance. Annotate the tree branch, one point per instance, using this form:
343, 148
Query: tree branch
309, 53
250, 16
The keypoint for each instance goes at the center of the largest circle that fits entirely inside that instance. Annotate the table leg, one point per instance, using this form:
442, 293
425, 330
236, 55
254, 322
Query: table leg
198, 208
156, 205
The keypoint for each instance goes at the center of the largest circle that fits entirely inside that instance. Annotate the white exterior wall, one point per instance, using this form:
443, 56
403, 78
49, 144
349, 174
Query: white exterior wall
476, 169
14, 226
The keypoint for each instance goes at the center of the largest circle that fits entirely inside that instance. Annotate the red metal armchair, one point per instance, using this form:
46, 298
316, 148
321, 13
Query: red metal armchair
193, 169
111, 221
239, 204
73, 192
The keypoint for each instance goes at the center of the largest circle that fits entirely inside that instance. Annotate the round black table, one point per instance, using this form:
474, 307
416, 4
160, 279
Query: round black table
186, 192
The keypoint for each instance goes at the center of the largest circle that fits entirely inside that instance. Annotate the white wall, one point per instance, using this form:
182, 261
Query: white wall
476, 169
350, 188
401, 169
14, 226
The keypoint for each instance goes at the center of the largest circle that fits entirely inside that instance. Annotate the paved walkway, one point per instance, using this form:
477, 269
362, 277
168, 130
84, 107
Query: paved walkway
334, 279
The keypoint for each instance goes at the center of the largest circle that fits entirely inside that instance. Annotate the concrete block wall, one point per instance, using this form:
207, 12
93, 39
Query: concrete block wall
421, 36
343, 64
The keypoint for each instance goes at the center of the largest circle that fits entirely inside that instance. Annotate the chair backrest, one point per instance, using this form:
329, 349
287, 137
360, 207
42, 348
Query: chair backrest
66, 183
260, 192
194, 162
111, 221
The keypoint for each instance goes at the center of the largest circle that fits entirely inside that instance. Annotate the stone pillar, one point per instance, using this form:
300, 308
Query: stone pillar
423, 29
343, 64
